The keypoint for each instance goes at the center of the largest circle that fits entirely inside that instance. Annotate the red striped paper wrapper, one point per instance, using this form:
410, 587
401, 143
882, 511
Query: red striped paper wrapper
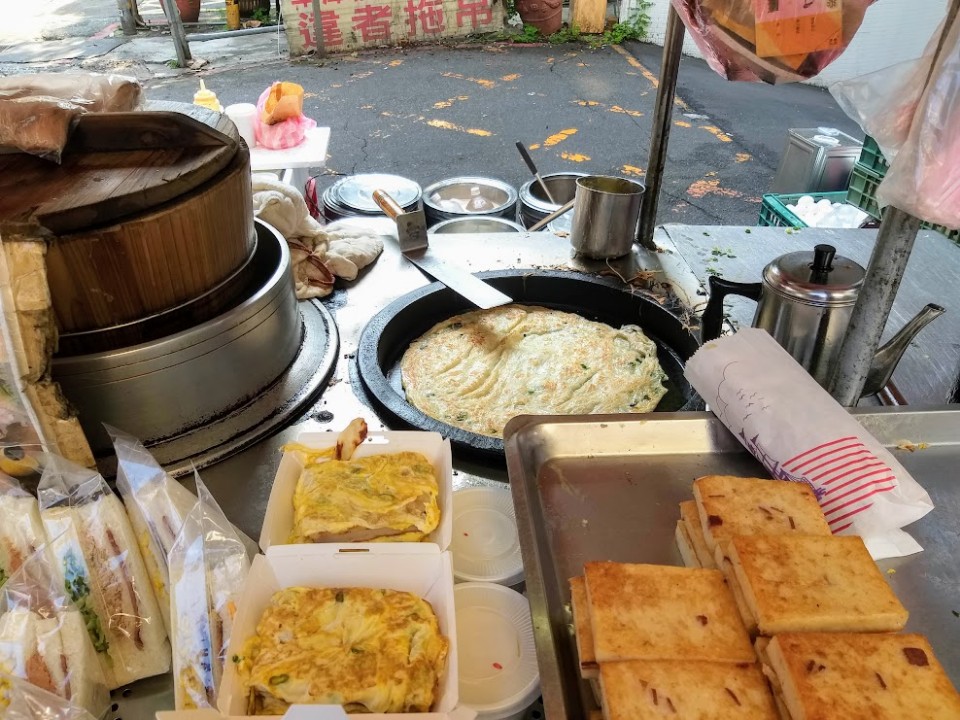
801, 434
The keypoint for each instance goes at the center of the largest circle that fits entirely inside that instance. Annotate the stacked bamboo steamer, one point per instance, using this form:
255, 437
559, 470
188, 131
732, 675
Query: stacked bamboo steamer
147, 213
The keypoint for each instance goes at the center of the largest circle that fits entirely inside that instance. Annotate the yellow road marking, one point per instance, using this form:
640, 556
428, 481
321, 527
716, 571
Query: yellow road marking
651, 78
479, 81
444, 125
362, 75
717, 133
450, 101
742, 157
682, 123
631, 113
510, 78
535, 146
559, 137
587, 103
395, 63
366, 107
633, 170
574, 157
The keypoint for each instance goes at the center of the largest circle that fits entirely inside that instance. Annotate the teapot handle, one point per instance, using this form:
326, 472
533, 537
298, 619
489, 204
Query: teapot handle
712, 319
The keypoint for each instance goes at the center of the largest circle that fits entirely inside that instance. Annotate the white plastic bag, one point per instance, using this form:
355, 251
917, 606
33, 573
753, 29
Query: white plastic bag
104, 574
19, 700
157, 505
43, 637
208, 564
916, 127
21, 532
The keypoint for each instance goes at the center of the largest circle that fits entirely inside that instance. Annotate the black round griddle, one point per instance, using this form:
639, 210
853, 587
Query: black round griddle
391, 331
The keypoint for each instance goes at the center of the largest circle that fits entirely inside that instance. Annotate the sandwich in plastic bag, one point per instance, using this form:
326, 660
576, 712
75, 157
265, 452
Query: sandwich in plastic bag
282, 123
43, 637
157, 505
19, 700
776, 42
96, 550
208, 564
21, 532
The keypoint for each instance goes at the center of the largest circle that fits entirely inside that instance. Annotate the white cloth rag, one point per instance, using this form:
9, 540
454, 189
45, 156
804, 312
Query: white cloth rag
319, 254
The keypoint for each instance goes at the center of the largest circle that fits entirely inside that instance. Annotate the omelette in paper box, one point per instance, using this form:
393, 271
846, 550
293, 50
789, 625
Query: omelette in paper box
369, 627
385, 487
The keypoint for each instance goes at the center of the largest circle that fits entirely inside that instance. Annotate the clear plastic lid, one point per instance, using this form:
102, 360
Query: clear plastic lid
485, 546
356, 192
496, 654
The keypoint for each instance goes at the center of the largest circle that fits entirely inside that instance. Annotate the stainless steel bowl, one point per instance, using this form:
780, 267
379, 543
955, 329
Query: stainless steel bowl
449, 199
476, 225
534, 205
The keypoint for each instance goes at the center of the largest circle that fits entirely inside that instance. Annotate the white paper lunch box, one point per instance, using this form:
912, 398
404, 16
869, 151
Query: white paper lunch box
418, 568
278, 520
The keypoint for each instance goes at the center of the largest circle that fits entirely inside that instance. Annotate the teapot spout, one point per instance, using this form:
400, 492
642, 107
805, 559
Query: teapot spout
887, 357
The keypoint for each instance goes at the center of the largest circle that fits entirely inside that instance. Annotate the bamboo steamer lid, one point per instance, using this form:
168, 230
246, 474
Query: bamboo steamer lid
146, 211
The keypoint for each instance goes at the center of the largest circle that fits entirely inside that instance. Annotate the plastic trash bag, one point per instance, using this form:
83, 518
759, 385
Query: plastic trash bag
776, 42
96, 550
208, 565
43, 637
21, 531
281, 123
19, 700
36, 110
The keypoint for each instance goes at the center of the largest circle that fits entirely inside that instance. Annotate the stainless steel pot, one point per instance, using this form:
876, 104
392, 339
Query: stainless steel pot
167, 387
605, 214
452, 198
475, 225
535, 206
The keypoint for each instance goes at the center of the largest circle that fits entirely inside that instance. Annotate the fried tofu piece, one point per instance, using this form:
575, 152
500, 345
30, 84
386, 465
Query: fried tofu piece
852, 676
731, 506
812, 583
685, 546
690, 517
658, 612
692, 690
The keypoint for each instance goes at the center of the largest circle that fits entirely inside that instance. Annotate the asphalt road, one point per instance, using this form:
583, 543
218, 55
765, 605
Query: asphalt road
434, 112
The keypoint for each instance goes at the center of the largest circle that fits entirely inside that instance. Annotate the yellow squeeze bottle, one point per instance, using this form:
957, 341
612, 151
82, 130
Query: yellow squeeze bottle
207, 98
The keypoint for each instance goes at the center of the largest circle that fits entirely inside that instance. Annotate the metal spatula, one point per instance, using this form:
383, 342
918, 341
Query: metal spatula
415, 246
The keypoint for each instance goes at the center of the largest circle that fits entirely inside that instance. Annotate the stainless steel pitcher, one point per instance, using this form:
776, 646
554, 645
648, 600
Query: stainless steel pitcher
805, 301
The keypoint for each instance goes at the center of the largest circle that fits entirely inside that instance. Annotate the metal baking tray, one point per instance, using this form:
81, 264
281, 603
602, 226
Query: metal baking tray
607, 488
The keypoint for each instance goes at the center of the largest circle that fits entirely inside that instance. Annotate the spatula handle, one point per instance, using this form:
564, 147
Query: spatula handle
387, 204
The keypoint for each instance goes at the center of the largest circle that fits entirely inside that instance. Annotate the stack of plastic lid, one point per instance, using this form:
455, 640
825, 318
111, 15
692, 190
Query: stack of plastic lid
353, 195
485, 546
497, 657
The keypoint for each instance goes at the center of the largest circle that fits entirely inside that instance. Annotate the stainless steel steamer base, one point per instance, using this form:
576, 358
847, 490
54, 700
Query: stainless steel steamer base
608, 488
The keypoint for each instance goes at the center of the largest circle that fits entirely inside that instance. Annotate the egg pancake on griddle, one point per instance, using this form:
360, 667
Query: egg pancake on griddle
478, 370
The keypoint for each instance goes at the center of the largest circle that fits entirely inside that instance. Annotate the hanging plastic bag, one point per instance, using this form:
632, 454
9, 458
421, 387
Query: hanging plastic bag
776, 42
19, 700
96, 550
281, 122
43, 637
924, 177
208, 564
21, 532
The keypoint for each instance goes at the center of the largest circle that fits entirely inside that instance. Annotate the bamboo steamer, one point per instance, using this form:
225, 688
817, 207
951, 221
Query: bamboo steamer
146, 212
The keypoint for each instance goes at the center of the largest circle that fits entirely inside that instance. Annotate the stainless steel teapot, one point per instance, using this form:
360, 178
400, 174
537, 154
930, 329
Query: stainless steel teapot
805, 301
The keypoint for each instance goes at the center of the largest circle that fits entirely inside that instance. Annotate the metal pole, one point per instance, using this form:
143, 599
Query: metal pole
318, 29
176, 30
660, 134
898, 231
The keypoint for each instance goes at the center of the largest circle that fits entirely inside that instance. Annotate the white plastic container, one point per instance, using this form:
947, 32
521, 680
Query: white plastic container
418, 568
498, 670
485, 544
278, 520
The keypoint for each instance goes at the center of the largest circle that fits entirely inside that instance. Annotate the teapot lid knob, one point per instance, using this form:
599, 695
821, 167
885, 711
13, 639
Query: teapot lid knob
823, 255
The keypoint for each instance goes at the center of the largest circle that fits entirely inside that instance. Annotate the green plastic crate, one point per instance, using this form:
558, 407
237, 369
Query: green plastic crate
872, 158
862, 191
774, 212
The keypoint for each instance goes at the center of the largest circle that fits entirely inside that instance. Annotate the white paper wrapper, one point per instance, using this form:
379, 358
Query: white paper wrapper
800, 433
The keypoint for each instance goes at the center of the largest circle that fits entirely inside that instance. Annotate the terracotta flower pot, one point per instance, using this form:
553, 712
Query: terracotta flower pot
545, 15
189, 10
